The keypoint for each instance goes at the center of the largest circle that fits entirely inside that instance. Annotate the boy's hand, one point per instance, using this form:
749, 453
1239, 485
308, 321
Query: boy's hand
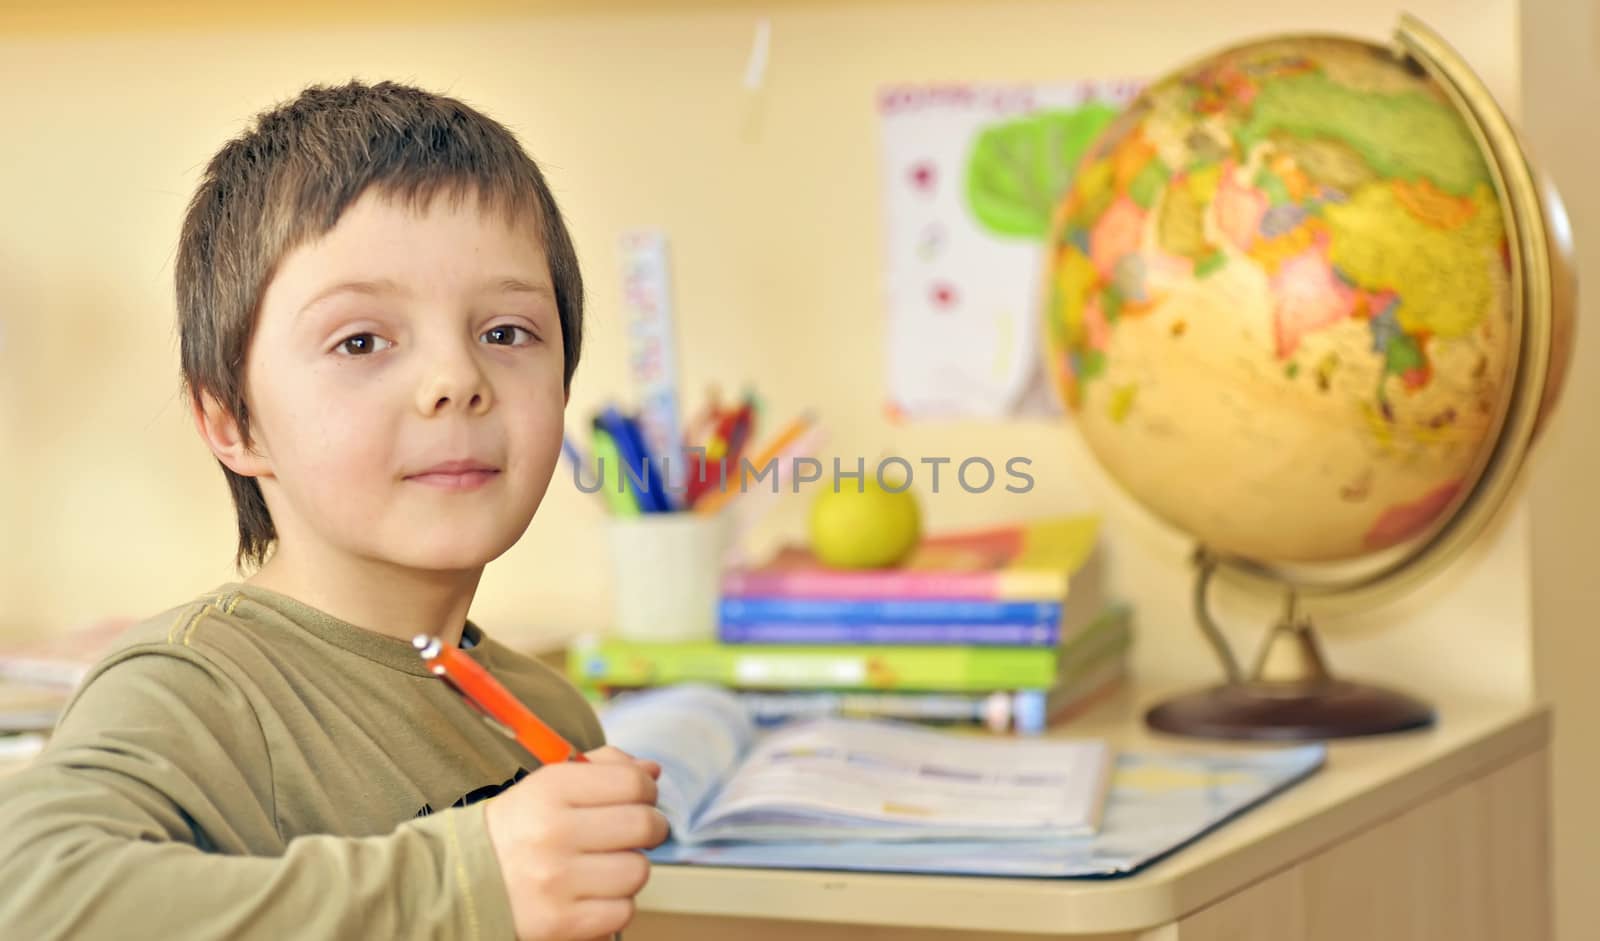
567, 838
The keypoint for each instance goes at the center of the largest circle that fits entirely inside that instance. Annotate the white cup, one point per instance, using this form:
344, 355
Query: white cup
666, 571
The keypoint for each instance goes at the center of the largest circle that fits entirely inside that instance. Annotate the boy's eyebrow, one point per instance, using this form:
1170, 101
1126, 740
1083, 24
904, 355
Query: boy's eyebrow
519, 286
381, 286
373, 288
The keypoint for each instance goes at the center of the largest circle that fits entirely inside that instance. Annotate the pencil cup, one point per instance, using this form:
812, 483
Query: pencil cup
667, 574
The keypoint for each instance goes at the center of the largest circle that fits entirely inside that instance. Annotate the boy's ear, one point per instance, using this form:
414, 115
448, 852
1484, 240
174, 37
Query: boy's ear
220, 431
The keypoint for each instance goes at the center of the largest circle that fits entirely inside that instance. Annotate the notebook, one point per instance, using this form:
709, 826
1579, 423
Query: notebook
1155, 803
724, 780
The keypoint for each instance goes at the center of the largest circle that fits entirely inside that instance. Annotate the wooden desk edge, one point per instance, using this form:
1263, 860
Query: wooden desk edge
1325, 809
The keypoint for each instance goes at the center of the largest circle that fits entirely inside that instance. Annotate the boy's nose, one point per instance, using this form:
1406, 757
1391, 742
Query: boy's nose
443, 402
454, 386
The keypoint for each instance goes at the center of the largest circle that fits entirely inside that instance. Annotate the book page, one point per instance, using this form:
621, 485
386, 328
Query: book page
1159, 801
697, 734
872, 779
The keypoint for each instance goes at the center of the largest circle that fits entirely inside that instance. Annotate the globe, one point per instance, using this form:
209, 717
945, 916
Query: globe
1308, 303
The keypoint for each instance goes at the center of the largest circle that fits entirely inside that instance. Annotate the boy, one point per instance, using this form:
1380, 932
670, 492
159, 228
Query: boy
380, 313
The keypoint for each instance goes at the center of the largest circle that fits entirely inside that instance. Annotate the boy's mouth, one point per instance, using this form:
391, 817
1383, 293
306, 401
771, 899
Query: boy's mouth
456, 475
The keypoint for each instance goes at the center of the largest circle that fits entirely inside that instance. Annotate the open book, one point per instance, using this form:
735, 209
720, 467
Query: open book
735, 797
830, 779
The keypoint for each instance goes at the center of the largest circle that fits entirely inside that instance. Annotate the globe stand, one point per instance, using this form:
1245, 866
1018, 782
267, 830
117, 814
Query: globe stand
1290, 695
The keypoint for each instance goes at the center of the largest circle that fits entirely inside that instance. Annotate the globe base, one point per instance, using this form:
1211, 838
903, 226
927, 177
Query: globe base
1254, 711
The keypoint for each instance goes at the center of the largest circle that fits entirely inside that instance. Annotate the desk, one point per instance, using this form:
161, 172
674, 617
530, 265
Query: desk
1439, 834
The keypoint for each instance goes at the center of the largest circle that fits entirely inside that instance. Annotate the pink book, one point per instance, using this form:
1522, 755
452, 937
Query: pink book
1024, 561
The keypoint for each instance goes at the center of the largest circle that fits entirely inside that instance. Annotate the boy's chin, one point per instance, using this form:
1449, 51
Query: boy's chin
450, 556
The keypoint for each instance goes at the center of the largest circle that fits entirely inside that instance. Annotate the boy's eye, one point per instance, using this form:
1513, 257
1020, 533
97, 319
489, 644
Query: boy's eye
362, 344
507, 335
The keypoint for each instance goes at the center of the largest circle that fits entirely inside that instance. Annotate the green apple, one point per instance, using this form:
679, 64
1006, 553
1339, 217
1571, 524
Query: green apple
865, 526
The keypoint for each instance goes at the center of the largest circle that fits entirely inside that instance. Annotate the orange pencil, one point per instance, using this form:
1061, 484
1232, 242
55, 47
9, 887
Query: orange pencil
484, 693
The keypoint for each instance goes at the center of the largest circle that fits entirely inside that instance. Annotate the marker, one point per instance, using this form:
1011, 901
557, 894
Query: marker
484, 693
715, 500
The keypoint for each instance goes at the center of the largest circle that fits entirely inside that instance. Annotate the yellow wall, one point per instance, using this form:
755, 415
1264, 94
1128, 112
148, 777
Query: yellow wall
1561, 89
108, 504
771, 202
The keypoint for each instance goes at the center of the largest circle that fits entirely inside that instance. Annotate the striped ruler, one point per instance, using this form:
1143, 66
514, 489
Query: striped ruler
652, 352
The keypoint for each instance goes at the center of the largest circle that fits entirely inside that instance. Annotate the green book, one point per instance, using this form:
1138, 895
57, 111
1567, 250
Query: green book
614, 662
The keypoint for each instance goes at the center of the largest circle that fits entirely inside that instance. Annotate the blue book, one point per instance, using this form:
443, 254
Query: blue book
886, 633
752, 610
898, 621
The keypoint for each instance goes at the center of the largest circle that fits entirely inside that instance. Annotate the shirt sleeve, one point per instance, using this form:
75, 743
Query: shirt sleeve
150, 814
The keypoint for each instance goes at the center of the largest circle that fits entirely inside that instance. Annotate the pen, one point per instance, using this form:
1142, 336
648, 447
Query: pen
636, 464
655, 469
620, 497
709, 468
701, 426
484, 693
730, 433
576, 457
714, 501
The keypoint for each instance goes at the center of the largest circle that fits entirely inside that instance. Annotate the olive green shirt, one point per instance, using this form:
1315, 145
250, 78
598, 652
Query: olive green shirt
249, 767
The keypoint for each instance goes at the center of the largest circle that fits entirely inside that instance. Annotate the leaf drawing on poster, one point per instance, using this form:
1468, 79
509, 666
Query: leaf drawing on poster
972, 174
1019, 168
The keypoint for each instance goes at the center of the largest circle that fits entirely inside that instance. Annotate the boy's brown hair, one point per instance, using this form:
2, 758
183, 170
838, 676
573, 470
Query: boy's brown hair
288, 180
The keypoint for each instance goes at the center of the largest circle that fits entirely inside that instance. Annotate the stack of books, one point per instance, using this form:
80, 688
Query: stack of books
38, 675
1008, 628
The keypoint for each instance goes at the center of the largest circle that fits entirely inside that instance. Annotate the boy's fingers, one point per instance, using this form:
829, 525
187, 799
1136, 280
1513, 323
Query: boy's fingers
606, 829
610, 754
618, 875
601, 784
599, 918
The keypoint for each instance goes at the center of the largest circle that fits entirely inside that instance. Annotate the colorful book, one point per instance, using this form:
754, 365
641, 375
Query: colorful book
620, 663
1025, 561
616, 662
930, 634
756, 609
1023, 711
1092, 670
912, 622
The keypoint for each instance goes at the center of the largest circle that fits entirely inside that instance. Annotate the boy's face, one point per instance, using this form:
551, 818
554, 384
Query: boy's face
405, 382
